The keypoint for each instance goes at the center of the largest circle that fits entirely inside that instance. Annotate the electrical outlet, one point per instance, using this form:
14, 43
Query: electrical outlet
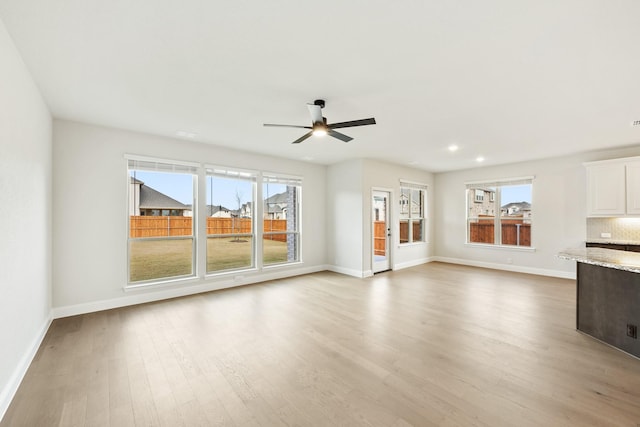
632, 331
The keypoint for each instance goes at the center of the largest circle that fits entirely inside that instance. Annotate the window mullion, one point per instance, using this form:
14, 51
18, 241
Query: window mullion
259, 222
497, 220
200, 217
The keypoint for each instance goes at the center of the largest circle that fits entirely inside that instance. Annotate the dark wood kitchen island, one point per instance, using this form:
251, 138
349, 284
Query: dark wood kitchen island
608, 295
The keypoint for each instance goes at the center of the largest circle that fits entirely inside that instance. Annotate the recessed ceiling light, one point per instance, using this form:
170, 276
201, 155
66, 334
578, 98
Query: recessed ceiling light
413, 163
453, 148
479, 159
185, 134
307, 158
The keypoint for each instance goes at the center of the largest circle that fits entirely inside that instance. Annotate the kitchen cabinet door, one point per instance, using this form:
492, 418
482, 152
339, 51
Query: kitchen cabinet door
606, 190
633, 188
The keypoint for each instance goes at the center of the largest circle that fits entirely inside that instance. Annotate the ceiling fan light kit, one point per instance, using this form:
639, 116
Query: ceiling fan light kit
320, 127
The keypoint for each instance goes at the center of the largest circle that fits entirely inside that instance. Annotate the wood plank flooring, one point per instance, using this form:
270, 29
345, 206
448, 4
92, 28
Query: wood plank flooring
436, 344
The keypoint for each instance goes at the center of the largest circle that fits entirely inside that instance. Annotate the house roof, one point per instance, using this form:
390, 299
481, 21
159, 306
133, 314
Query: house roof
276, 203
153, 199
523, 206
277, 198
505, 80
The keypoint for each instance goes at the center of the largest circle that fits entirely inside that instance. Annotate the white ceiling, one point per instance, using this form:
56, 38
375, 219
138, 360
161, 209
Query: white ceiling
506, 80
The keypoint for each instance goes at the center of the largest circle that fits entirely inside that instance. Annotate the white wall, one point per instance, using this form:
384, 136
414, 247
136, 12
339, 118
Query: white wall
90, 214
558, 209
25, 219
349, 241
344, 217
378, 174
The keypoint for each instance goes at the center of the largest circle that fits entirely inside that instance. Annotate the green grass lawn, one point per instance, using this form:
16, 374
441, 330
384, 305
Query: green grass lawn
154, 259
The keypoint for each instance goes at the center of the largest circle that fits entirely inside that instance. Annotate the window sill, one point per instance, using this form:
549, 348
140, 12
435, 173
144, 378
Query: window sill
229, 273
169, 283
502, 247
404, 245
284, 264
161, 283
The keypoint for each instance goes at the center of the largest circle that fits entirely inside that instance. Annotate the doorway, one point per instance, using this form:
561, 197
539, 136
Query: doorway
381, 230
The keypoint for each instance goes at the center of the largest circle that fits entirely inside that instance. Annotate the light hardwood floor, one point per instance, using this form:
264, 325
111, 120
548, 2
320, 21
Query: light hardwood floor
436, 344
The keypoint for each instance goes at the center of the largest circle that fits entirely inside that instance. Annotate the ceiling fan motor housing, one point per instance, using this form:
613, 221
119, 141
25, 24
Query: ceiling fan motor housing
319, 124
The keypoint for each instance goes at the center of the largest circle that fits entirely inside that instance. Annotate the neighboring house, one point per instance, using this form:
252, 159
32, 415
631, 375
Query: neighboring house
517, 209
147, 201
219, 211
215, 211
481, 202
275, 207
404, 205
245, 210
379, 208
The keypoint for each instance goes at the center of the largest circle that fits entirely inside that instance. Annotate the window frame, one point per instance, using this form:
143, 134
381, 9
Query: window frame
411, 218
198, 216
496, 199
149, 164
242, 175
288, 181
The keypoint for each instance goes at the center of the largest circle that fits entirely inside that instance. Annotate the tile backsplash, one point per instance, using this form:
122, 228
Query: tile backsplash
623, 229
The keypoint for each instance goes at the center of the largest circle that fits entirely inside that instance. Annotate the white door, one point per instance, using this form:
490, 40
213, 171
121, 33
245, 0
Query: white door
381, 230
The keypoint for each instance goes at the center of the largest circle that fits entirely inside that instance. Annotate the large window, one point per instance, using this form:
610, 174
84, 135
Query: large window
281, 219
230, 213
161, 238
247, 220
499, 212
412, 212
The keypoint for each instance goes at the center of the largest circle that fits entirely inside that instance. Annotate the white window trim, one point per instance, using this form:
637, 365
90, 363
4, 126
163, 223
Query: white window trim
289, 180
199, 172
191, 168
231, 173
413, 185
498, 235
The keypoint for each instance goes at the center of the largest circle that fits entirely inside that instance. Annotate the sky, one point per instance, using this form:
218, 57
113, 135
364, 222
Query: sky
515, 193
222, 192
179, 187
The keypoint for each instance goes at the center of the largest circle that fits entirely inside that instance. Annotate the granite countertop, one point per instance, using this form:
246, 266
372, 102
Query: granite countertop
620, 260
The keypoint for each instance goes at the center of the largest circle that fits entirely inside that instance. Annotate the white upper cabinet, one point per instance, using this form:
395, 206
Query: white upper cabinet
633, 188
613, 187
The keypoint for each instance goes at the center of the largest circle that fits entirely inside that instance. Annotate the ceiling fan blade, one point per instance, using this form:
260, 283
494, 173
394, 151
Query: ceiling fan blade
340, 136
302, 138
352, 123
316, 113
287, 126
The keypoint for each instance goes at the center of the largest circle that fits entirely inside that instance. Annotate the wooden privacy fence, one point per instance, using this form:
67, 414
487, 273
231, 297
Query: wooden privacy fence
513, 233
416, 232
164, 226
160, 226
379, 231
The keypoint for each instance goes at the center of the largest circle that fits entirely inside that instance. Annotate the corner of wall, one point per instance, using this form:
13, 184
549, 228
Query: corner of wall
11, 387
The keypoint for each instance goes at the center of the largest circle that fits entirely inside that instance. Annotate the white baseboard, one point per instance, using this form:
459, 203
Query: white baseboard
10, 389
347, 271
508, 267
413, 263
144, 295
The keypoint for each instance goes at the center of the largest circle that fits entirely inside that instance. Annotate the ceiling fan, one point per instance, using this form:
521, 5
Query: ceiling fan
319, 125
